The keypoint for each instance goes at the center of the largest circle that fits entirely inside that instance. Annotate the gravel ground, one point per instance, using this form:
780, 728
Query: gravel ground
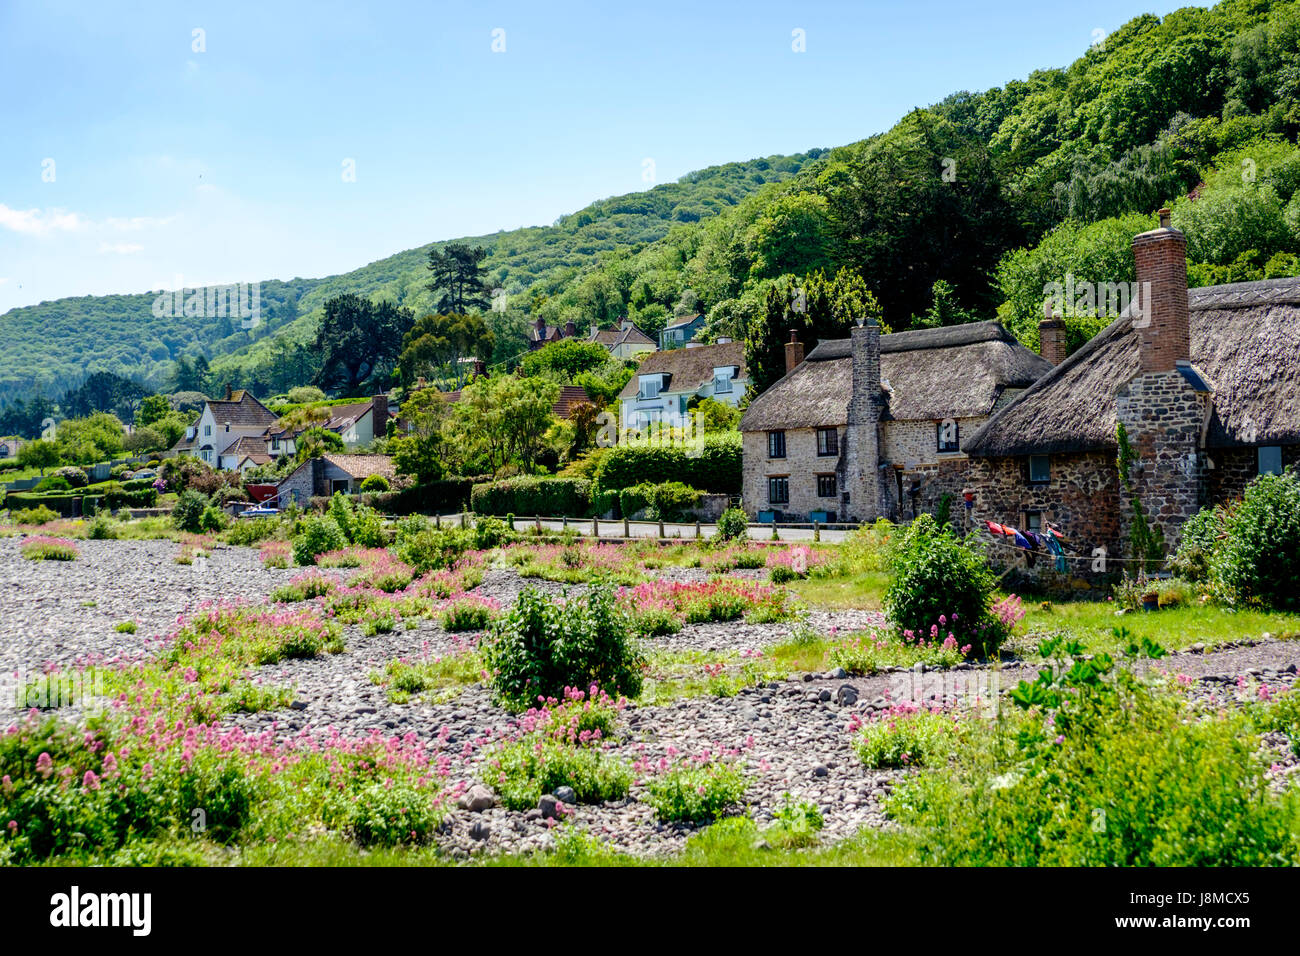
790, 735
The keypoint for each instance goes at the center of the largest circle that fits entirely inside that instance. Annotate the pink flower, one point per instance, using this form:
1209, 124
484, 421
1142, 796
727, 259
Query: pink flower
90, 781
44, 765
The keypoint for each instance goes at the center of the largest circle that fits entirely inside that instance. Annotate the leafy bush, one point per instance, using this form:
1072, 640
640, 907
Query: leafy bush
426, 548
694, 792
937, 575
187, 514
795, 823
543, 646
716, 469
1258, 561
468, 613
213, 519
385, 814
374, 484
42, 548
667, 501
547, 497
733, 524
33, 516
75, 477
1122, 774
101, 528
319, 534
52, 483
905, 737
523, 770
491, 533
251, 531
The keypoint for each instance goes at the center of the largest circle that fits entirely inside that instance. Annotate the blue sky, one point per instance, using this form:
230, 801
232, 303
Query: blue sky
131, 161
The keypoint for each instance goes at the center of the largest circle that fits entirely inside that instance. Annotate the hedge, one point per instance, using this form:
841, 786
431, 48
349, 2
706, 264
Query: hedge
448, 496
527, 496
716, 470
107, 494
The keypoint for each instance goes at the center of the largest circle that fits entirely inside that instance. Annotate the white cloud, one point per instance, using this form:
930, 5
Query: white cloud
120, 248
36, 222
3, 279
136, 223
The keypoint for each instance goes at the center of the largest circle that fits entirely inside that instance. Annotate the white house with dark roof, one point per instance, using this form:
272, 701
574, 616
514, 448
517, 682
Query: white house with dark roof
224, 423
661, 390
624, 340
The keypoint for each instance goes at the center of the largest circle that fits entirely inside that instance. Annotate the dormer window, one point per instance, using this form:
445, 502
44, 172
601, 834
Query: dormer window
722, 379
649, 386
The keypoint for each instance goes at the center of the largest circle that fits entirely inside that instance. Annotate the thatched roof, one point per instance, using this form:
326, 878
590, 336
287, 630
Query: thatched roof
927, 375
1245, 343
689, 369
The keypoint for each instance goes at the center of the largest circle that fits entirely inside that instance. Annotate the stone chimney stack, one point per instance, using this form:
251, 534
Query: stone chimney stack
863, 491
1165, 406
230, 393
379, 415
570, 329
1051, 336
1164, 336
793, 352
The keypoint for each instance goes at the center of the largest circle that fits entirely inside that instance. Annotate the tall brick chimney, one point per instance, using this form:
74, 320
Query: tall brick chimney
1051, 336
1164, 335
379, 415
793, 352
863, 497
1164, 407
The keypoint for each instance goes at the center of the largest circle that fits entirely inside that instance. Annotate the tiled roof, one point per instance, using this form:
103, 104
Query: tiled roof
362, 466
689, 368
241, 411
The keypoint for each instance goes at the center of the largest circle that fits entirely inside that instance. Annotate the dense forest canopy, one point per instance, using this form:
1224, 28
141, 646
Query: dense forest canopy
963, 210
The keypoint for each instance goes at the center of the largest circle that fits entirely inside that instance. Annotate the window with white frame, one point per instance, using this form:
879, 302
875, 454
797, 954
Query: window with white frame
722, 380
649, 386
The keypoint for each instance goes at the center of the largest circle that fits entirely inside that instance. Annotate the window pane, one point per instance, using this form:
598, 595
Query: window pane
1039, 468
1270, 460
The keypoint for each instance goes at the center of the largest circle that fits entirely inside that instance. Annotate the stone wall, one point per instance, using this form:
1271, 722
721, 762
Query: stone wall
863, 487
1235, 468
301, 485
1163, 414
801, 465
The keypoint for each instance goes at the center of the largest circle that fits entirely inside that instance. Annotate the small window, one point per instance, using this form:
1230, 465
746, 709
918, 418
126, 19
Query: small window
722, 383
1033, 521
778, 491
828, 441
649, 387
1040, 469
1270, 460
207, 430
947, 436
827, 486
776, 444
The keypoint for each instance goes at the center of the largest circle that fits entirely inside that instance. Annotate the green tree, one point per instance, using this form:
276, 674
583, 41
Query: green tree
421, 449
436, 345
458, 278
504, 419
41, 454
359, 341
564, 360
315, 442
95, 438
152, 408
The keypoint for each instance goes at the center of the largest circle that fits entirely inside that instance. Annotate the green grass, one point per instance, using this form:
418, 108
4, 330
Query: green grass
1175, 628
447, 676
862, 591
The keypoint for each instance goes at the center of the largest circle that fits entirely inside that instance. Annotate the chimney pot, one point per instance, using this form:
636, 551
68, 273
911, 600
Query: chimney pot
1164, 217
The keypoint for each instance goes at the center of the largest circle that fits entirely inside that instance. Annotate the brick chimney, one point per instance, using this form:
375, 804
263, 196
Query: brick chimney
230, 393
1165, 407
863, 498
1164, 335
793, 352
379, 415
1051, 336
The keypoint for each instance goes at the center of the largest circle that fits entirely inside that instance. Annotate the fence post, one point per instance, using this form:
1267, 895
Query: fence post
697, 527
595, 527
538, 519
437, 521
661, 528
627, 531
775, 536
463, 520
564, 522
817, 530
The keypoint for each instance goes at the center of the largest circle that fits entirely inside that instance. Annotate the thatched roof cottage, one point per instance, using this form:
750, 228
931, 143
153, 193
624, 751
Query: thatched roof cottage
862, 426
1206, 382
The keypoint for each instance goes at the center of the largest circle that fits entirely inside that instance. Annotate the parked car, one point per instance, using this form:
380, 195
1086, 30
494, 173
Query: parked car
260, 511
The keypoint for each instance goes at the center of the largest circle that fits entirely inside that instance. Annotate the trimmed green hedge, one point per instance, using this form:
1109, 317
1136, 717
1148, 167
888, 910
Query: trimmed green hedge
105, 494
448, 496
716, 470
530, 496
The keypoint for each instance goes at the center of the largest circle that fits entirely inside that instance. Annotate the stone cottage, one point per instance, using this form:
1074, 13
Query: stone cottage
872, 425
319, 477
1206, 383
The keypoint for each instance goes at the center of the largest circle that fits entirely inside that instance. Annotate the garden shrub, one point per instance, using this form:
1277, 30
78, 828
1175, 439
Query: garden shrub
391, 815
545, 497
187, 513
52, 483
101, 528
1201, 536
33, 516
490, 533
1115, 773
716, 469
693, 792
543, 646
634, 499
536, 764
667, 501
75, 477
426, 548
1258, 561
374, 483
795, 824
319, 534
733, 524
213, 519
936, 575
904, 737
251, 531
